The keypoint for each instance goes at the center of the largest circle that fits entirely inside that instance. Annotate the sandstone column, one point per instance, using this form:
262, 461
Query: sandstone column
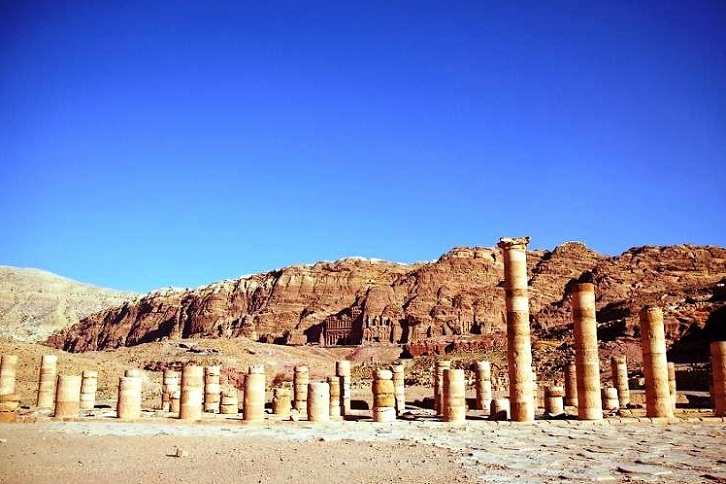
655, 364
7, 374
672, 383
229, 402
212, 389
137, 372
610, 399
439, 368
46, 381
67, 396
519, 346
300, 381
89, 385
170, 384
586, 355
384, 397
718, 375
334, 385
175, 401
400, 388
253, 406
281, 401
483, 385
553, 401
318, 401
571, 385
128, 405
619, 367
499, 409
192, 393
342, 371
454, 401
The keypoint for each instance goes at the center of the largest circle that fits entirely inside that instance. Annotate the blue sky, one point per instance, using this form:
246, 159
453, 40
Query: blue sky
178, 143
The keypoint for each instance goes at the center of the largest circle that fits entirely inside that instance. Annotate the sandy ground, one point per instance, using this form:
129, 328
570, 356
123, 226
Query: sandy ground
426, 451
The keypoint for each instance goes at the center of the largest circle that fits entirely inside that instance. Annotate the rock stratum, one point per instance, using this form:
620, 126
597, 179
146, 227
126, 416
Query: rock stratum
35, 303
459, 294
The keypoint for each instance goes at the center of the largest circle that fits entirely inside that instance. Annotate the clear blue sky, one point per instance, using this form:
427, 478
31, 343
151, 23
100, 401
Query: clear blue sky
148, 144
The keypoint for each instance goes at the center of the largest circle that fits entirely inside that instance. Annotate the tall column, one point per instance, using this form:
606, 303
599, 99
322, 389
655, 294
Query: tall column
619, 368
7, 374
400, 388
46, 381
342, 371
300, 381
128, 405
655, 364
571, 385
334, 386
384, 396
483, 385
318, 401
672, 384
718, 376
439, 368
67, 396
454, 401
89, 385
191, 397
253, 406
212, 389
519, 345
586, 356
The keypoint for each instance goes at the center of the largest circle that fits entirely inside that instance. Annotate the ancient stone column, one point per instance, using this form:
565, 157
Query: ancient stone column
342, 371
610, 400
253, 405
655, 364
553, 400
619, 368
89, 385
318, 401
439, 368
7, 374
399, 387
128, 405
46, 381
300, 381
67, 396
137, 372
499, 409
212, 389
334, 385
175, 401
170, 383
454, 402
483, 378
718, 377
192, 393
571, 385
229, 402
519, 345
672, 383
384, 396
281, 401
586, 355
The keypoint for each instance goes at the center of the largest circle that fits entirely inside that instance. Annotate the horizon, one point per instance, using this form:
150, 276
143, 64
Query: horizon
145, 146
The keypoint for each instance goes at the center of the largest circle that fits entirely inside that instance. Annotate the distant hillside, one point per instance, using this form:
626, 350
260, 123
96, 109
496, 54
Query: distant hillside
35, 303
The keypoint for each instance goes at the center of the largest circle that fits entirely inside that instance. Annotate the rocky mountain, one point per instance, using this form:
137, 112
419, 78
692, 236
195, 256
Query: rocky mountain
459, 294
35, 303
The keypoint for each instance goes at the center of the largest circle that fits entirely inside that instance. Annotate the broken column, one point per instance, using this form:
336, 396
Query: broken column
342, 371
672, 384
7, 374
571, 385
439, 368
170, 383
253, 405
619, 368
553, 400
334, 385
586, 355
192, 393
483, 378
300, 381
519, 346
384, 397
610, 400
212, 388
499, 409
399, 386
67, 396
454, 401
318, 401
89, 385
46, 381
718, 377
655, 364
175, 401
281, 401
128, 405
229, 401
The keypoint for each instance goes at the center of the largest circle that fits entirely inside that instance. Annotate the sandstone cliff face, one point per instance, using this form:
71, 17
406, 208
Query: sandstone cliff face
34, 303
460, 293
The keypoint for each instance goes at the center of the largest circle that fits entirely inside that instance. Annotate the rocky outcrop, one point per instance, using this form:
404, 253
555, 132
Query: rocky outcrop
35, 303
459, 294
